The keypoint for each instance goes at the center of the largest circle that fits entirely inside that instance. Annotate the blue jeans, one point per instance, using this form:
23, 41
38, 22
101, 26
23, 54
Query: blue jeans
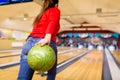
25, 72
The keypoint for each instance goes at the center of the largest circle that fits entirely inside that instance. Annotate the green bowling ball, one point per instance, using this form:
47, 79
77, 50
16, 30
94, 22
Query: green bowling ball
41, 58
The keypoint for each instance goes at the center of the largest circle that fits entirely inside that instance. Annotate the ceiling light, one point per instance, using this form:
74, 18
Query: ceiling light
24, 18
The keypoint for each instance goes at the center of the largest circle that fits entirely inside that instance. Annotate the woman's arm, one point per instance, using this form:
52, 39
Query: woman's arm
54, 16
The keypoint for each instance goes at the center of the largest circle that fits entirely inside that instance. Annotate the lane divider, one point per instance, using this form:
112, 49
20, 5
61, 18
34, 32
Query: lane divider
114, 69
116, 61
105, 68
10, 64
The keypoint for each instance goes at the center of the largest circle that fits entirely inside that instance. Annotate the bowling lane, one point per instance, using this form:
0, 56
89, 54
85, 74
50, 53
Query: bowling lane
87, 68
116, 54
14, 52
9, 59
9, 53
65, 56
17, 55
9, 72
63, 48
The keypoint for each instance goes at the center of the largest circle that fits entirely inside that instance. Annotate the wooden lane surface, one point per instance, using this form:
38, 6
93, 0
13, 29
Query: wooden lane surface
11, 73
63, 48
61, 57
16, 58
116, 54
8, 53
9, 59
87, 68
12, 52
65, 56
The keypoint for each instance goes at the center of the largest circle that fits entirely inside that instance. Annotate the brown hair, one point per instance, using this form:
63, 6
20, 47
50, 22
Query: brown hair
47, 4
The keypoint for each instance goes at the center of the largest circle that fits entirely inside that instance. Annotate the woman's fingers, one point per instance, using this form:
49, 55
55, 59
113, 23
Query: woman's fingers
42, 42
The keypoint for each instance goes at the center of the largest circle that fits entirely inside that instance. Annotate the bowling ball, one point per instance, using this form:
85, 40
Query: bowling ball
41, 58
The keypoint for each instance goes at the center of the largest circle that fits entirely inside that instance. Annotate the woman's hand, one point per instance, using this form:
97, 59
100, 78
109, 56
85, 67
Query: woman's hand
45, 40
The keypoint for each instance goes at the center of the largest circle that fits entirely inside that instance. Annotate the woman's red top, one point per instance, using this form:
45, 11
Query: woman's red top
49, 23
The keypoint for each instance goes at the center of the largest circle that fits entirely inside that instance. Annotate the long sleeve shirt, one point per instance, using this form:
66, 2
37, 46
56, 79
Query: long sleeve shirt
48, 24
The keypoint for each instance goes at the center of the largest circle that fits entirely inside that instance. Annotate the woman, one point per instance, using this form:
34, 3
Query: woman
45, 28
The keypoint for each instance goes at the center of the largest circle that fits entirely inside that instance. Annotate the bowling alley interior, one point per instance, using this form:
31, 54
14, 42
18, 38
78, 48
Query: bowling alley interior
88, 41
